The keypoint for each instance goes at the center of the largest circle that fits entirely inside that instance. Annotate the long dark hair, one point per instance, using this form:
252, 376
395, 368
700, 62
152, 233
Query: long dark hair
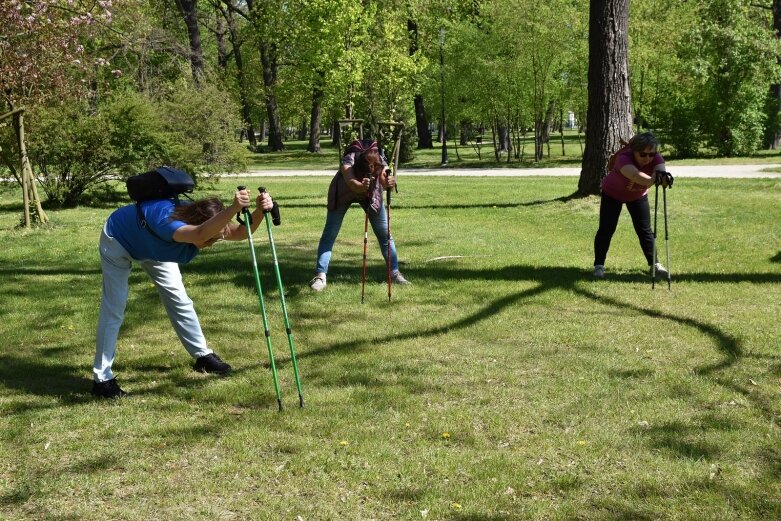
199, 211
367, 163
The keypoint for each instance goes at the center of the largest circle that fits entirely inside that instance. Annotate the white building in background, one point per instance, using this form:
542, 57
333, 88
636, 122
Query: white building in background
571, 123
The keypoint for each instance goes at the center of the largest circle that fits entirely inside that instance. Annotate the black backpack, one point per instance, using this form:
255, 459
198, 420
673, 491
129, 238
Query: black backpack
161, 183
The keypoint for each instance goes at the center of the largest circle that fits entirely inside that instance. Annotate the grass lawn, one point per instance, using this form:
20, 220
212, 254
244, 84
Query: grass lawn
504, 384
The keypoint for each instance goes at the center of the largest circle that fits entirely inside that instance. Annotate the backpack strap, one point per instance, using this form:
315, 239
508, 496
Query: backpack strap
142, 219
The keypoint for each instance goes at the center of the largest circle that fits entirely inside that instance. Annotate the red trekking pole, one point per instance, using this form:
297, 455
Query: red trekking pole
388, 256
365, 242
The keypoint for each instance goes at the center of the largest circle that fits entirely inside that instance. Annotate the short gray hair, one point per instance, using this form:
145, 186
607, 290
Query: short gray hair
642, 141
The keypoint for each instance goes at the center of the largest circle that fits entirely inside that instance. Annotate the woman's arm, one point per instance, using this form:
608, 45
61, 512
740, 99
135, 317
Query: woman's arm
359, 186
214, 228
633, 174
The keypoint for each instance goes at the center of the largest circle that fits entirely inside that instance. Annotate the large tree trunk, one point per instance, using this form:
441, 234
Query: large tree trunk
315, 119
609, 116
421, 124
268, 57
189, 11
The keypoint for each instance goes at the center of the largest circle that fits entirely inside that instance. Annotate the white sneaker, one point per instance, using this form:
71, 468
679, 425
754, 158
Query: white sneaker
318, 283
399, 279
661, 271
599, 271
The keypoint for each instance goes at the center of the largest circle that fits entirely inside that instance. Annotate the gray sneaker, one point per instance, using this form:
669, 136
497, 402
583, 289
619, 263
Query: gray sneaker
399, 279
318, 283
661, 271
599, 271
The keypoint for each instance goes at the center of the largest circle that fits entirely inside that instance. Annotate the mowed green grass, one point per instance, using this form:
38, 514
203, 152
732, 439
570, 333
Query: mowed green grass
503, 384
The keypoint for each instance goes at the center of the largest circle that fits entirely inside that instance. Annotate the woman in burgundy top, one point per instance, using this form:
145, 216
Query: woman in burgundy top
635, 169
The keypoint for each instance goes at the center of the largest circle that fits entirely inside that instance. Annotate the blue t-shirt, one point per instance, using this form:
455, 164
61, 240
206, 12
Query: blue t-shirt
125, 226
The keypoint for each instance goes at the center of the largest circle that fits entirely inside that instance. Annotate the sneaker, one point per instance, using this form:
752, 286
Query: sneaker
318, 283
107, 389
211, 363
399, 279
661, 271
599, 271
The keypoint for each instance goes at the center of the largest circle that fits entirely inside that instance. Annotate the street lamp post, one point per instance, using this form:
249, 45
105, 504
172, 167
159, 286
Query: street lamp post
443, 125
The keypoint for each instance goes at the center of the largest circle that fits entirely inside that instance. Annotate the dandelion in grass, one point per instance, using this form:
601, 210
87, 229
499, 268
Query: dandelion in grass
445, 435
581, 442
456, 506
343, 443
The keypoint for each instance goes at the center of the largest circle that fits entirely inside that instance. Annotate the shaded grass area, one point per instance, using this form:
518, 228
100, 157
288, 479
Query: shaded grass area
503, 384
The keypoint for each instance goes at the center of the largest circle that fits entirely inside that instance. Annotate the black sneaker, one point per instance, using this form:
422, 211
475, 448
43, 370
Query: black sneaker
211, 363
107, 389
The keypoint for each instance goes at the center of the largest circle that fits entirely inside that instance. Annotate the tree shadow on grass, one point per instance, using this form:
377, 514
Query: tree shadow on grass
776, 257
31, 375
493, 205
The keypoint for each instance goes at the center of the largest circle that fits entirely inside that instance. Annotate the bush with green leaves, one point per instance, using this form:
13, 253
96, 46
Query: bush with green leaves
78, 145
74, 146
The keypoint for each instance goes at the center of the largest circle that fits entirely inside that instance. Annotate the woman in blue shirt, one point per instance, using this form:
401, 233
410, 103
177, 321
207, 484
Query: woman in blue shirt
174, 234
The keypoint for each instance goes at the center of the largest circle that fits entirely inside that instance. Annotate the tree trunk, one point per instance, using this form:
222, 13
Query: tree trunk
189, 11
609, 114
504, 138
268, 57
421, 123
421, 120
547, 121
246, 111
30, 195
222, 47
315, 119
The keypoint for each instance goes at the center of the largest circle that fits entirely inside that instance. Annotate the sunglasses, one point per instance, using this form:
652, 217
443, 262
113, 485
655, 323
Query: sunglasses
646, 154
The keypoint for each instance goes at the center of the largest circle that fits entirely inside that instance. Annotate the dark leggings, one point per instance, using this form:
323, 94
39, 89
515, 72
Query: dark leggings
609, 211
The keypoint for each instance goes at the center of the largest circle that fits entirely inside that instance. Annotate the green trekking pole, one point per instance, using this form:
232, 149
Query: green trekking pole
275, 216
247, 224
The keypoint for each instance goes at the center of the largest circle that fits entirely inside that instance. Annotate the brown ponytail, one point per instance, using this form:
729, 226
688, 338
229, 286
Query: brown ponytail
198, 212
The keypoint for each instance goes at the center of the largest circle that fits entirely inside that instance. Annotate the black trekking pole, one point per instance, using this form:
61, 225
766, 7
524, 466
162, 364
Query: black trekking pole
666, 237
274, 214
653, 264
247, 223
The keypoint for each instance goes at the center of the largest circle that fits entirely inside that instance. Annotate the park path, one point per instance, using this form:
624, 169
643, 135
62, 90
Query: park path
712, 171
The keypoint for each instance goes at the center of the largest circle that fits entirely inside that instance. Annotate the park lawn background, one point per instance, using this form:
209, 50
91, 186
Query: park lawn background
504, 383
295, 156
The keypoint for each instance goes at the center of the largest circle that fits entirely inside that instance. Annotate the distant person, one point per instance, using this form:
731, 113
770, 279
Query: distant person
636, 167
362, 177
174, 235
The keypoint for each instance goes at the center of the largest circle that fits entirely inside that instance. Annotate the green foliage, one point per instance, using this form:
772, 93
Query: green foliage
75, 146
703, 80
201, 128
